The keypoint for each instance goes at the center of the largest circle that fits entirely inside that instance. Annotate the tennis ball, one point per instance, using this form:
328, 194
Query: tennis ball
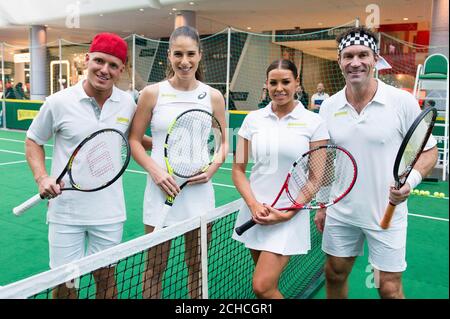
422, 192
436, 194
441, 195
416, 191
427, 193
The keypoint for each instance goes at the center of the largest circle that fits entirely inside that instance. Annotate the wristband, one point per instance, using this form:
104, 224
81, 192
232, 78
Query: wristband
414, 178
39, 179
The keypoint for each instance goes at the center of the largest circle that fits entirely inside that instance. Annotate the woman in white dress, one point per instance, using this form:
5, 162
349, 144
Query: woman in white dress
273, 138
159, 104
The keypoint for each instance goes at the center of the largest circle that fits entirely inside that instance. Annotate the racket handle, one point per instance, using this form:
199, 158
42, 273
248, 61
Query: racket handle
244, 227
33, 201
387, 216
162, 216
167, 206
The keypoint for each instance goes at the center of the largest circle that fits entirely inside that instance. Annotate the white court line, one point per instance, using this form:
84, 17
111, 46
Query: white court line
127, 170
141, 172
145, 173
12, 152
224, 185
134, 171
429, 217
19, 153
10, 163
19, 141
216, 184
51, 145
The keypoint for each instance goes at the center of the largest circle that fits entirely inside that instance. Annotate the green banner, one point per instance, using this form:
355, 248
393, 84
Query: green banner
20, 114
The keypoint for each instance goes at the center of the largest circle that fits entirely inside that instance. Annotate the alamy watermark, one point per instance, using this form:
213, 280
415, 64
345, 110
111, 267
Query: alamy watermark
73, 277
73, 15
373, 17
373, 279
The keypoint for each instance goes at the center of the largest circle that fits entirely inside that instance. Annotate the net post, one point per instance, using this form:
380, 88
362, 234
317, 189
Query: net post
227, 93
378, 52
60, 66
2, 51
445, 155
133, 59
204, 254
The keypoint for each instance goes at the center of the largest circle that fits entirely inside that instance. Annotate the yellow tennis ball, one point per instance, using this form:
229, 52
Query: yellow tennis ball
416, 191
436, 194
427, 193
442, 195
422, 192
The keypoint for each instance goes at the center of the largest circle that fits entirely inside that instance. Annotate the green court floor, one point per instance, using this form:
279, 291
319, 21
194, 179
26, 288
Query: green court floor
24, 250
426, 276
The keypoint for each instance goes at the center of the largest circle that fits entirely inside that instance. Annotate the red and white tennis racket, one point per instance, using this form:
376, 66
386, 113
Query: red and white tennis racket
319, 178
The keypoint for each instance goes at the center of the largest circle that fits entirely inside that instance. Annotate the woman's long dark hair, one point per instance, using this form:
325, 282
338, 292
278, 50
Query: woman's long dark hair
190, 32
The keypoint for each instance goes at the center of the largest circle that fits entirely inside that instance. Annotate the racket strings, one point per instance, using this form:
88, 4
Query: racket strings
99, 161
99, 155
414, 146
321, 176
193, 141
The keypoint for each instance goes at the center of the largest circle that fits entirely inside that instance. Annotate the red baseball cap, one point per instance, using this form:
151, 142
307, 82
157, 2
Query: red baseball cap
110, 43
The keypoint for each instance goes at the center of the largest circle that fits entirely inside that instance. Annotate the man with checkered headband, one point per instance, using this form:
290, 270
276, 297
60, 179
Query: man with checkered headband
370, 119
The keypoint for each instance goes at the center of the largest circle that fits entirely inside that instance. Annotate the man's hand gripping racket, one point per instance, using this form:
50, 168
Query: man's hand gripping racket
319, 178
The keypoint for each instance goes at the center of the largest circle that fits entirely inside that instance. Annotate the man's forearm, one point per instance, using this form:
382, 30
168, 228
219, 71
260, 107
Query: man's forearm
427, 161
35, 156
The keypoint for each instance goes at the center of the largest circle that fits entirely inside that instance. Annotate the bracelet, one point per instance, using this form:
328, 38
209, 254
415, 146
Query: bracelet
39, 179
414, 178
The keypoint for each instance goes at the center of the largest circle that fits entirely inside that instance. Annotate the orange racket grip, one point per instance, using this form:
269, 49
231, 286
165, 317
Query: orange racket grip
387, 216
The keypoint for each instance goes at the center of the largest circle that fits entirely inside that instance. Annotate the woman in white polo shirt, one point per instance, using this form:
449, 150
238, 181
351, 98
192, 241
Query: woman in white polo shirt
274, 137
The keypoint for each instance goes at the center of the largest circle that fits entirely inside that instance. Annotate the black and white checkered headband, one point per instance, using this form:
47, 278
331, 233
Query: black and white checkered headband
358, 39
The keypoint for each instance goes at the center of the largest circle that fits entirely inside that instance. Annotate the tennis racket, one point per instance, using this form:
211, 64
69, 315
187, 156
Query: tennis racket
319, 178
97, 162
409, 152
192, 143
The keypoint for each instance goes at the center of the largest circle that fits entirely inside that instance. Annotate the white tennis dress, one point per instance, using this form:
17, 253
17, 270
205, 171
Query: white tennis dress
275, 145
194, 200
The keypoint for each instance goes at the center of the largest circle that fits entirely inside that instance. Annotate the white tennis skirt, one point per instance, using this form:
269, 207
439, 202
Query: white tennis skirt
292, 237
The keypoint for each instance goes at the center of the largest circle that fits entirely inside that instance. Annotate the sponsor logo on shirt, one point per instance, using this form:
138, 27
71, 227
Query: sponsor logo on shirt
296, 124
169, 95
201, 96
340, 113
123, 120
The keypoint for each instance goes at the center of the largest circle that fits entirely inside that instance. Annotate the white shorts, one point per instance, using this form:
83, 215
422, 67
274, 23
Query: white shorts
68, 243
387, 248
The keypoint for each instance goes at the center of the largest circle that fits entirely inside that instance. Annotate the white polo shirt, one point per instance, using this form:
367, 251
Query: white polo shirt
276, 143
69, 116
373, 137
318, 98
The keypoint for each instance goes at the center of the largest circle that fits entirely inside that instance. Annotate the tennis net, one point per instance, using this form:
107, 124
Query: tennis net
193, 259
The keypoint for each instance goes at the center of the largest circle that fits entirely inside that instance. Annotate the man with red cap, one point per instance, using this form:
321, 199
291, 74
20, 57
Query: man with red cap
81, 223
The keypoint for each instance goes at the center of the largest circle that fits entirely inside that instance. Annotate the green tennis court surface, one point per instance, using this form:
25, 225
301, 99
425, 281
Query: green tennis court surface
24, 248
